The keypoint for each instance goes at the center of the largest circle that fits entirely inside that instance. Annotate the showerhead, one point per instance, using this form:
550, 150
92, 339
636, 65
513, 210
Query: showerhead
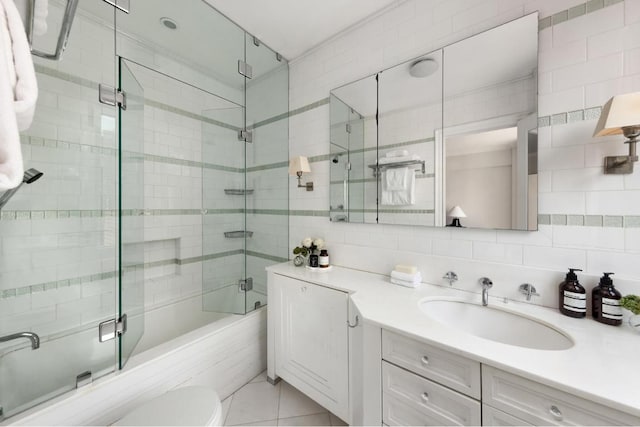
31, 175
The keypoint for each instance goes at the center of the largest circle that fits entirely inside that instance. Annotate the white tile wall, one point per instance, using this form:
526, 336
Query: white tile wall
583, 62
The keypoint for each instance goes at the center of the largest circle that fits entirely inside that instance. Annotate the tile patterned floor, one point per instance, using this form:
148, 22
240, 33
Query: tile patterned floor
259, 403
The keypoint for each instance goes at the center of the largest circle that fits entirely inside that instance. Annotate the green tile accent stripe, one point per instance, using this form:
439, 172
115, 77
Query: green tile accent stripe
8, 215
82, 280
592, 113
189, 114
66, 76
575, 12
297, 212
606, 221
266, 256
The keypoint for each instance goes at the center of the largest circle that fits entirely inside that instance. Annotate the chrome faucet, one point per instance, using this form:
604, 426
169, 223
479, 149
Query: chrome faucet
528, 290
451, 276
34, 338
486, 285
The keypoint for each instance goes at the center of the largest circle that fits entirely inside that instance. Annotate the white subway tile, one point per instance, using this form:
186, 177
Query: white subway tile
594, 70
605, 19
561, 101
587, 179
562, 203
588, 237
624, 265
554, 258
613, 202
497, 252
560, 158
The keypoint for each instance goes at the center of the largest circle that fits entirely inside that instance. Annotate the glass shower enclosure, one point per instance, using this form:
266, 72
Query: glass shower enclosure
175, 198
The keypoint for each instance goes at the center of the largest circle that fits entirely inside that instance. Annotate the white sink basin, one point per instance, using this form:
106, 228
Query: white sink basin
496, 324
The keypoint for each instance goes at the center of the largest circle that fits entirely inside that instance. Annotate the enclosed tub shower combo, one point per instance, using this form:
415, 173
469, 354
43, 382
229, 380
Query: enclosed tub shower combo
161, 139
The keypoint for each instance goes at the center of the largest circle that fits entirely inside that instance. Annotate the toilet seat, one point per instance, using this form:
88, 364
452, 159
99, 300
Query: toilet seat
185, 406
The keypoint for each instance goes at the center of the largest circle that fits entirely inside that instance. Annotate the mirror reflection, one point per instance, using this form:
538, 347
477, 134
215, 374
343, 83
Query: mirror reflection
446, 139
490, 128
353, 146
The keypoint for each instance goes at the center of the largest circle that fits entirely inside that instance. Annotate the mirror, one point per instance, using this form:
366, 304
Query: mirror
353, 145
489, 139
455, 142
410, 112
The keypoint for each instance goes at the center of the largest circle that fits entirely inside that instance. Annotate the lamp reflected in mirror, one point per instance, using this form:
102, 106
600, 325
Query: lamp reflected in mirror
621, 115
297, 166
456, 213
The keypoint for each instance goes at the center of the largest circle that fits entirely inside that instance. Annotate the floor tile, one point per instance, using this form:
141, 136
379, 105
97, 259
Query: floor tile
307, 420
261, 377
335, 421
254, 402
263, 423
294, 404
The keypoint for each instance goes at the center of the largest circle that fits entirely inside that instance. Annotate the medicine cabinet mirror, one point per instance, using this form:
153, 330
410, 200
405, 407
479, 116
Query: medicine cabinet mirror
455, 140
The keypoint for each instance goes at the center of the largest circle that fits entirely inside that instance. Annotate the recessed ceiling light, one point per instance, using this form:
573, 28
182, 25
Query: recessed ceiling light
169, 23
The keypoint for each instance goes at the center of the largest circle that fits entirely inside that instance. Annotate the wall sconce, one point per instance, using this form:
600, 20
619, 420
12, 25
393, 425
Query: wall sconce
621, 115
456, 213
298, 166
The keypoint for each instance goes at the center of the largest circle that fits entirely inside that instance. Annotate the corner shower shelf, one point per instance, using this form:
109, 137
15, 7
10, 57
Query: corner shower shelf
234, 192
377, 168
238, 234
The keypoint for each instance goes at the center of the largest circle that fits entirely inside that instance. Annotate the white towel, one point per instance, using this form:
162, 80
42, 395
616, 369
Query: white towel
396, 179
40, 17
18, 93
397, 153
387, 160
405, 195
414, 278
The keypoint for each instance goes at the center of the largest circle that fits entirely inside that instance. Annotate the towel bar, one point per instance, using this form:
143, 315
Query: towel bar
234, 192
381, 167
237, 234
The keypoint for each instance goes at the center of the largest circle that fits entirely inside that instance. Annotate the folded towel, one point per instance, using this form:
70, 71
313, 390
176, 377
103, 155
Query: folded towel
404, 283
396, 179
404, 196
417, 277
397, 153
387, 160
18, 93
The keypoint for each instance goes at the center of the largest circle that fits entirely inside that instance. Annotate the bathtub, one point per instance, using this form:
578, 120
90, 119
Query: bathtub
224, 355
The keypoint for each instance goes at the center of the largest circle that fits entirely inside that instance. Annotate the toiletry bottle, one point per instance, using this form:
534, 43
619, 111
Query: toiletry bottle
313, 260
323, 259
573, 297
606, 302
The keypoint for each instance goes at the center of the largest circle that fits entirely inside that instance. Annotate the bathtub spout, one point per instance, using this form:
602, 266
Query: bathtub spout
34, 338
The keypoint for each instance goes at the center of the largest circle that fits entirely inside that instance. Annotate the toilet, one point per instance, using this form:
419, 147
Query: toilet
185, 406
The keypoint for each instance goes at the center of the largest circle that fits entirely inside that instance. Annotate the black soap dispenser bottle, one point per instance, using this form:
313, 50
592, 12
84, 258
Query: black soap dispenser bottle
606, 302
572, 300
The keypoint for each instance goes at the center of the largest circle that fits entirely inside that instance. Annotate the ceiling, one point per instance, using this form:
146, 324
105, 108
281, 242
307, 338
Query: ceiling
292, 27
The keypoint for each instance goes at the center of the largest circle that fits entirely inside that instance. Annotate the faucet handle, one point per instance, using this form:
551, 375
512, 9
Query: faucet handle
451, 276
529, 290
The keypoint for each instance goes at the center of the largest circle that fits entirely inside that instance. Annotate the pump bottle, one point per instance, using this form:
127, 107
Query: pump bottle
605, 302
572, 299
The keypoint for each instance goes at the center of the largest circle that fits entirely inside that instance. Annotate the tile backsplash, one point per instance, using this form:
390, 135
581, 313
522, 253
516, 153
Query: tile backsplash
588, 52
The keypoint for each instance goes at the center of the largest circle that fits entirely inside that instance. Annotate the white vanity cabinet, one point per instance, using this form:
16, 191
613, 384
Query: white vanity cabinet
539, 404
422, 385
308, 340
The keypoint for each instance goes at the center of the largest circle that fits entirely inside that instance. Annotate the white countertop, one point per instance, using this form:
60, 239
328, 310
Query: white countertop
602, 366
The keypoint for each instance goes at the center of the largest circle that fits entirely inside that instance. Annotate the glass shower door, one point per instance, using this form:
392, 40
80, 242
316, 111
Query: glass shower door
131, 135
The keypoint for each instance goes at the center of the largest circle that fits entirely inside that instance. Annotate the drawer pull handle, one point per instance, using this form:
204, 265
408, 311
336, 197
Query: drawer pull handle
425, 360
555, 412
425, 397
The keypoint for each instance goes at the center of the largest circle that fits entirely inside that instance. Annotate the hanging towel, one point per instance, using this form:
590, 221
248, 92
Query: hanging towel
40, 17
392, 193
18, 93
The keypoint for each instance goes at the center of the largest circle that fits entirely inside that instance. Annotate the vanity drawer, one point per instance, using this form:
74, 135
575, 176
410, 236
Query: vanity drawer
410, 399
540, 404
495, 417
448, 369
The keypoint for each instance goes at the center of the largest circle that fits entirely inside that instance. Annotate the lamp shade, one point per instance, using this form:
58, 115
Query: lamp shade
620, 111
298, 164
457, 212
